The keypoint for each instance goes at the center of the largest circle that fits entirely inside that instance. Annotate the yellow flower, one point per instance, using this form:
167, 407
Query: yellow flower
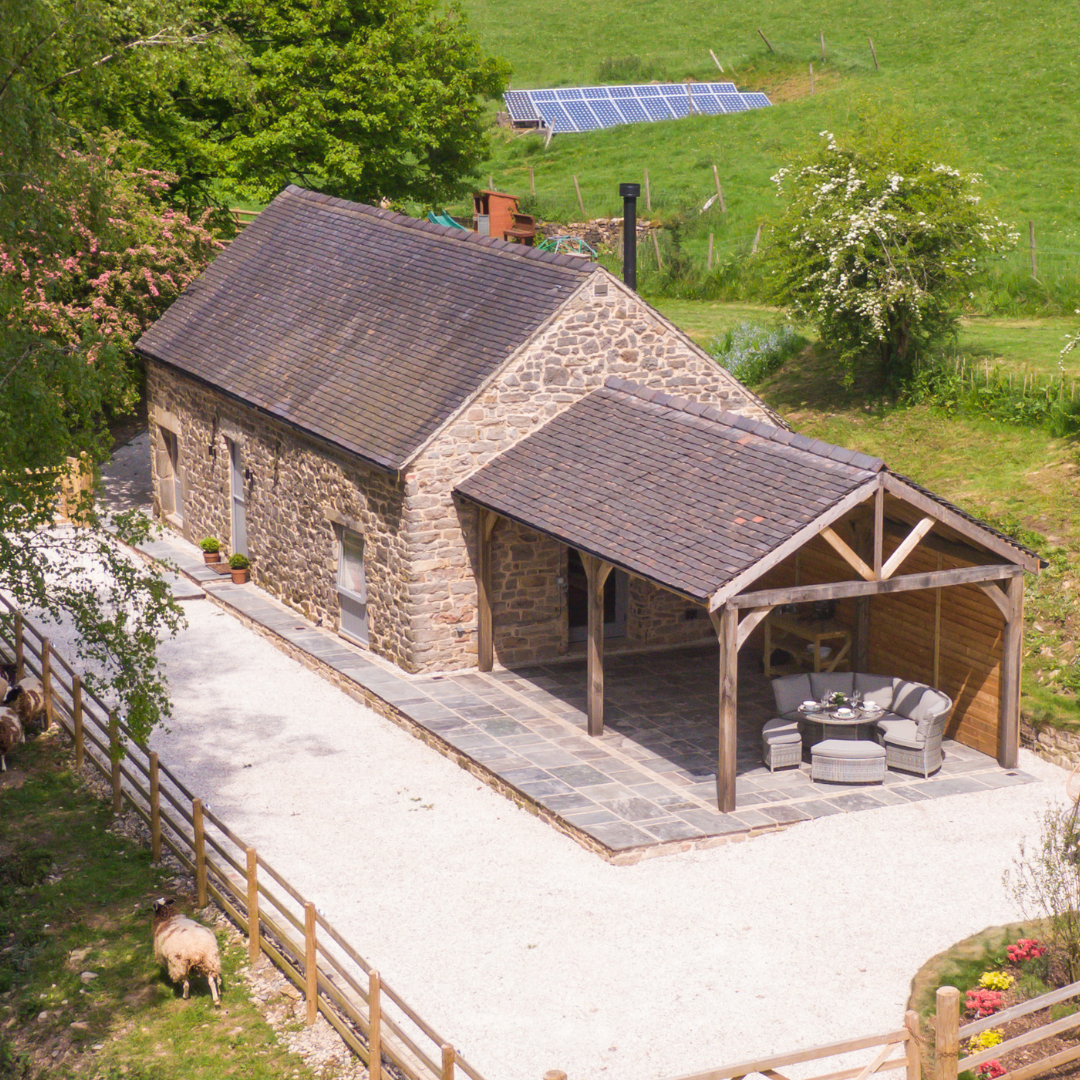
996, 980
984, 1040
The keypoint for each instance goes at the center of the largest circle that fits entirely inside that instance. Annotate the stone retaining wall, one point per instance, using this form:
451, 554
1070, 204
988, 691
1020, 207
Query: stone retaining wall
1060, 747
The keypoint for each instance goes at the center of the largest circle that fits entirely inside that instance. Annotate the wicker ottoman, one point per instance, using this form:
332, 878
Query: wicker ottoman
781, 743
848, 761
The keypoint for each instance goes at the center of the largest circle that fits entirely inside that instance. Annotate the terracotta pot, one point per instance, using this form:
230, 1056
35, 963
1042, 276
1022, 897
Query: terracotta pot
211, 556
240, 577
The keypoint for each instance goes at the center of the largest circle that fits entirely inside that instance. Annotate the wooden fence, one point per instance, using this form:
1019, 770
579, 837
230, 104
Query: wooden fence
950, 1034
371, 1018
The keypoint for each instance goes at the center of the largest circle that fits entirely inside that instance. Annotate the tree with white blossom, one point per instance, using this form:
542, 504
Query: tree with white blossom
878, 245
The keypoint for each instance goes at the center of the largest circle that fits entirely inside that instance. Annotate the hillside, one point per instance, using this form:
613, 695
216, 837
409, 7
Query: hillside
998, 83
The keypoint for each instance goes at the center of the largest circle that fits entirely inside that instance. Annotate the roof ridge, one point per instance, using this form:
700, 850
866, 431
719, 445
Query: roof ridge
854, 458
492, 243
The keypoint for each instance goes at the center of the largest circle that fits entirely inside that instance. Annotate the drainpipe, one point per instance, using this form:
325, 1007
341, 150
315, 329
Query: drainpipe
629, 193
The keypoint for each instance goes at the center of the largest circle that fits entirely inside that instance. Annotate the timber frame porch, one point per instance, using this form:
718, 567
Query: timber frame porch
744, 518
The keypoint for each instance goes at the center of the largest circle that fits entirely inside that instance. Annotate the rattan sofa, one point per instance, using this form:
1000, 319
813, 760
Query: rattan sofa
911, 728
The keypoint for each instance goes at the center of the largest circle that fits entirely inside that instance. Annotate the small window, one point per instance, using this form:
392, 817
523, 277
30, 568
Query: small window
168, 466
352, 586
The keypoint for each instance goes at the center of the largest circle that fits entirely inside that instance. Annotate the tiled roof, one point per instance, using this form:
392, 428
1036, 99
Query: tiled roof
671, 490
359, 325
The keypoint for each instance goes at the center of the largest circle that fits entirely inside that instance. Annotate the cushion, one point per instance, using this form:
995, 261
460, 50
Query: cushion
907, 696
779, 732
903, 733
854, 749
829, 682
876, 688
790, 692
890, 721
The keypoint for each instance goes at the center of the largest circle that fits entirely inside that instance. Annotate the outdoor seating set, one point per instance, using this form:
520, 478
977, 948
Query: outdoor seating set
859, 725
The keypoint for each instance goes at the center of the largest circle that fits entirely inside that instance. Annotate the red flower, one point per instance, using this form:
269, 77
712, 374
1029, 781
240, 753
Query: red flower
983, 1002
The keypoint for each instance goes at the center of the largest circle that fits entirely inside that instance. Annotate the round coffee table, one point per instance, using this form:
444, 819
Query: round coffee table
838, 725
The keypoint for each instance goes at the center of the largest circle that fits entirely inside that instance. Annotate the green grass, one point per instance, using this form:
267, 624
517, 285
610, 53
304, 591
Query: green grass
997, 82
75, 898
1028, 345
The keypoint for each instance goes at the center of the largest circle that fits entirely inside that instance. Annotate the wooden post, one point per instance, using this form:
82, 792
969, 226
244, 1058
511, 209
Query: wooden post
485, 641
20, 657
937, 630
811, 77
726, 622
155, 808
596, 573
690, 99
947, 1041
46, 680
656, 248
716, 62
532, 181
580, 201
114, 760
710, 251
719, 190
766, 40
879, 529
374, 1026
1011, 660
757, 240
1031, 240
200, 853
911, 1045
311, 972
77, 721
448, 1060
648, 192
821, 35
254, 929
860, 637
873, 53
491, 182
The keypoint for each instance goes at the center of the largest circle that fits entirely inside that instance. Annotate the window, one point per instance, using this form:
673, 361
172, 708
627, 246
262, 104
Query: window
352, 585
168, 470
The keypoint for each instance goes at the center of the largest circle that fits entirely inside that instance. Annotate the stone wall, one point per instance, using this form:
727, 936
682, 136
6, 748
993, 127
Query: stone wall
604, 329
297, 490
1060, 747
660, 617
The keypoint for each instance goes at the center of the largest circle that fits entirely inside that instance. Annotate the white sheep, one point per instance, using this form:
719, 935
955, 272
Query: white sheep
185, 947
11, 735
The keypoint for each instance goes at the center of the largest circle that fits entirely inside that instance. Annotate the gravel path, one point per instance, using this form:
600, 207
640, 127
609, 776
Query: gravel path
531, 954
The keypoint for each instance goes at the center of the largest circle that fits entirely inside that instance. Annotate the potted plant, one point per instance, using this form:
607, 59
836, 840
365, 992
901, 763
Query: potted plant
239, 566
211, 549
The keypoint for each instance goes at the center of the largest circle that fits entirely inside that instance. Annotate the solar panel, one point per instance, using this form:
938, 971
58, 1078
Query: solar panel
584, 108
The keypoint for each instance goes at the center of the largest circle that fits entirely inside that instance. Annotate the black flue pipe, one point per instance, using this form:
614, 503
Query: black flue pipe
629, 193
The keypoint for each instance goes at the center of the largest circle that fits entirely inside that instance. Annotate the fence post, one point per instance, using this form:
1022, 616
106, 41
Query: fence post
114, 760
947, 1041
532, 181
254, 932
77, 720
873, 52
449, 1057
580, 201
656, 248
911, 1046
375, 1026
46, 680
200, 853
20, 658
311, 972
155, 808
648, 192
811, 77
719, 190
709, 267
757, 240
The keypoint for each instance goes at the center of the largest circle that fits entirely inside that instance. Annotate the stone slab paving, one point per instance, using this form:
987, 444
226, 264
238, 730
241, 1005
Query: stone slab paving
650, 779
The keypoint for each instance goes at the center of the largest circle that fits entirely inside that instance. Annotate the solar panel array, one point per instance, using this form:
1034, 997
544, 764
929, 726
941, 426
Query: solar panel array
588, 107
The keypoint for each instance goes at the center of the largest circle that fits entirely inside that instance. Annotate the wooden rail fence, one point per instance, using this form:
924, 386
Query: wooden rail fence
371, 1018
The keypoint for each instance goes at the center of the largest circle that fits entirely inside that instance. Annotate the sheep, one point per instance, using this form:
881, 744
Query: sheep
185, 947
11, 735
28, 700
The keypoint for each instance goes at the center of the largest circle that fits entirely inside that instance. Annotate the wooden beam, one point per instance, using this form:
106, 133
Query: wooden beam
485, 639
860, 630
792, 544
750, 623
907, 546
1011, 660
879, 527
981, 536
842, 549
596, 572
729, 671
1001, 600
838, 590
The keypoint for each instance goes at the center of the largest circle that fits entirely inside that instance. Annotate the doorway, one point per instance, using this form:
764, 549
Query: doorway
616, 600
238, 498
172, 491
352, 586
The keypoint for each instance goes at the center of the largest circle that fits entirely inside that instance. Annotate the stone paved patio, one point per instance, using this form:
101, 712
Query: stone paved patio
648, 782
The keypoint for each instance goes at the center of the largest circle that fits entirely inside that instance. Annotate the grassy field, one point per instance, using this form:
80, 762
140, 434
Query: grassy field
997, 85
80, 993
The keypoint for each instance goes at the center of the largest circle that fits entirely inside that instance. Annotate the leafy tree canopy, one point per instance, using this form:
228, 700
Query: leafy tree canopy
878, 244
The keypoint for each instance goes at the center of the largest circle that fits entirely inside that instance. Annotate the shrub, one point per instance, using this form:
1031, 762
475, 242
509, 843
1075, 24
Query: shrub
983, 1002
210, 544
752, 352
239, 562
984, 1040
1025, 949
996, 980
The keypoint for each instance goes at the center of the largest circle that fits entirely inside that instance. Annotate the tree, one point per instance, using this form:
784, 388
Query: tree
877, 245
362, 99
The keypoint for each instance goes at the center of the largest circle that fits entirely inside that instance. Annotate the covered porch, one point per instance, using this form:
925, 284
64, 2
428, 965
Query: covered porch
741, 519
